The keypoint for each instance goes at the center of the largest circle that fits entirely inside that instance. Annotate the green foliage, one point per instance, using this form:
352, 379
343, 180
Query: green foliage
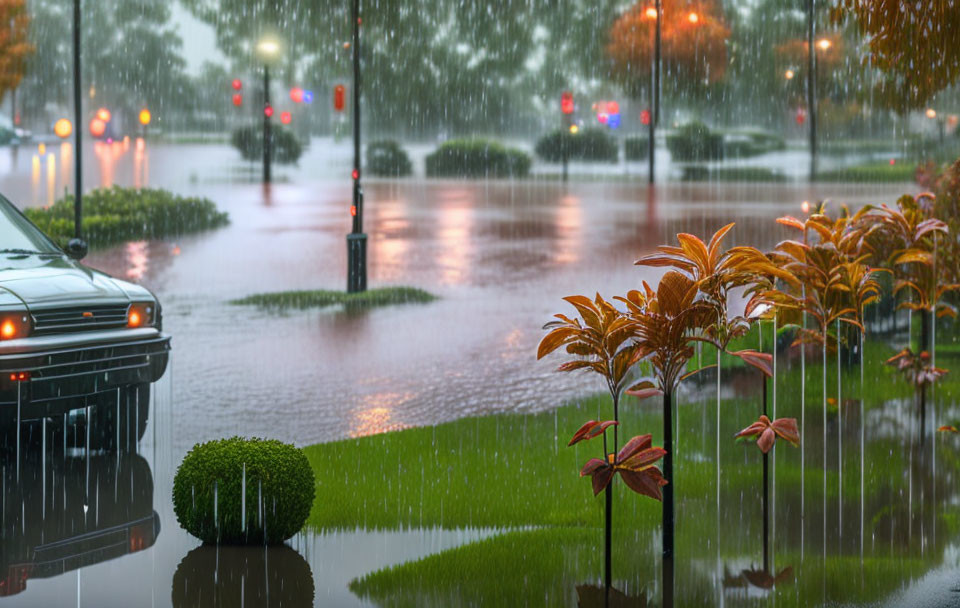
383, 296
752, 143
114, 215
387, 159
286, 149
871, 172
637, 147
589, 145
699, 173
208, 491
695, 142
477, 158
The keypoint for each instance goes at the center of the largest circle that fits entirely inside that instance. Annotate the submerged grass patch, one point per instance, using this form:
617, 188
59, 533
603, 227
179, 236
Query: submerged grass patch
320, 298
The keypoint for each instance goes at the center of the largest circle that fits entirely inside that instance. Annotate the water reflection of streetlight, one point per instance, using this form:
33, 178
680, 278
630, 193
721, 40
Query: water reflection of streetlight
267, 49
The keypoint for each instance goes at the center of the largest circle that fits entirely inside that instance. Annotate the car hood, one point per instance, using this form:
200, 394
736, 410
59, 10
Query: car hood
41, 282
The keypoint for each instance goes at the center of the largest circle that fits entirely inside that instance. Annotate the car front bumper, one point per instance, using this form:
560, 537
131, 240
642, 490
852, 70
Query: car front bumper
59, 372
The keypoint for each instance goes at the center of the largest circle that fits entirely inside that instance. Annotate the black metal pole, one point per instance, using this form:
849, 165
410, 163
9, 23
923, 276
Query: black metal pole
655, 113
766, 491
667, 587
78, 126
607, 543
267, 133
356, 240
812, 87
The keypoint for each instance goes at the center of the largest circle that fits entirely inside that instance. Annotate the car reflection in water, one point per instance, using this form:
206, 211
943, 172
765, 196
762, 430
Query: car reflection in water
67, 512
228, 576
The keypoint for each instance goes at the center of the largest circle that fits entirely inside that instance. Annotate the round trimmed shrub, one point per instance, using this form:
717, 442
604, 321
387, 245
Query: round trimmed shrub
387, 159
249, 142
207, 495
589, 145
477, 158
695, 142
637, 147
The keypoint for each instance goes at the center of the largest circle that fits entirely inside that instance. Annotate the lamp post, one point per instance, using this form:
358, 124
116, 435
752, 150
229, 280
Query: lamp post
356, 240
77, 120
812, 88
656, 14
267, 49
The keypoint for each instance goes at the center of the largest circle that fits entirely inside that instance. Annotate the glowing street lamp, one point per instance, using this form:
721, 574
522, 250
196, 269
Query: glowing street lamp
267, 49
931, 113
650, 13
789, 74
824, 44
693, 17
144, 117
63, 128
104, 114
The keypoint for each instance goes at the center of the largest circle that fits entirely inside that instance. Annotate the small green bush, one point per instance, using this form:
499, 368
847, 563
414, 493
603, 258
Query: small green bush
695, 142
752, 143
699, 173
207, 495
637, 147
248, 141
477, 158
114, 215
320, 298
589, 145
387, 159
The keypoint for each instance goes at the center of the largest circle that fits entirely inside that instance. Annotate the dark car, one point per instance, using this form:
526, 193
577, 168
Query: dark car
75, 343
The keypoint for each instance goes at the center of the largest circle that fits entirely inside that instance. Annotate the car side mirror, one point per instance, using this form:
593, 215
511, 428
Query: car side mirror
77, 249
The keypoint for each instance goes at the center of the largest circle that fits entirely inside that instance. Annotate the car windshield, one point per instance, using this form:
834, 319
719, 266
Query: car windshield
18, 234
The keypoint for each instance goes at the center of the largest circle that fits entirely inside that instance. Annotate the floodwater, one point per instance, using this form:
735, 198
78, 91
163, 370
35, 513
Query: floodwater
99, 530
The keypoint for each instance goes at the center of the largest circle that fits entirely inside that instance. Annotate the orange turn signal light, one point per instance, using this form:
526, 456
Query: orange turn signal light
12, 326
19, 376
140, 315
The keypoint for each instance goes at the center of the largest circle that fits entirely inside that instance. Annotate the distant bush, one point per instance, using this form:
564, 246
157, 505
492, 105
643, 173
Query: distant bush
904, 172
387, 159
207, 491
477, 158
589, 145
370, 298
286, 148
699, 173
752, 143
637, 147
114, 215
695, 142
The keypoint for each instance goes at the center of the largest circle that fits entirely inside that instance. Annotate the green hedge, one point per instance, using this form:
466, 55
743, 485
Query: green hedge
752, 143
589, 145
637, 148
387, 159
248, 141
207, 494
114, 215
477, 158
695, 142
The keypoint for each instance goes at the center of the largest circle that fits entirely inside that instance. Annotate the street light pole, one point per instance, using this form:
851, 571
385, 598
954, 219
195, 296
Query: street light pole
655, 93
356, 240
812, 88
267, 134
78, 125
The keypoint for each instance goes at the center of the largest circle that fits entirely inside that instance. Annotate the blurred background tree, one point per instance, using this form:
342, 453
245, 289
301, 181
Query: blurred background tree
14, 46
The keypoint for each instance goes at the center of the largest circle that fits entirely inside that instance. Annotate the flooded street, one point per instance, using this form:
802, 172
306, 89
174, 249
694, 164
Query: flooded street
500, 255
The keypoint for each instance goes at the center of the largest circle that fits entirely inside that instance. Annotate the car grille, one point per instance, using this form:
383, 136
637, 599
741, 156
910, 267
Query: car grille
79, 318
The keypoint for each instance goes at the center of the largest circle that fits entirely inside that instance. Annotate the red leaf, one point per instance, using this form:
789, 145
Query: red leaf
761, 361
767, 437
636, 444
590, 430
591, 466
601, 479
646, 482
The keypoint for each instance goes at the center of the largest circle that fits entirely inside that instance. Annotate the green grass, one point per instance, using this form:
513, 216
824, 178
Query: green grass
321, 298
871, 172
114, 215
514, 472
732, 174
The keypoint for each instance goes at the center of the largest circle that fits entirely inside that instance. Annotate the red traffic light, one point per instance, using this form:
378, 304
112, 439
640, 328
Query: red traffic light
296, 95
339, 97
566, 102
237, 99
613, 107
285, 117
236, 84
355, 174
645, 117
268, 111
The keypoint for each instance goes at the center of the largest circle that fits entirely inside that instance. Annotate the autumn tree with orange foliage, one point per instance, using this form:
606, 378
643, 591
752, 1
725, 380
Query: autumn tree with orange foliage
693, 44
915, 44
14, 47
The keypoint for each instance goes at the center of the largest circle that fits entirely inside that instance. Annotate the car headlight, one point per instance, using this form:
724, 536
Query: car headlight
14, 325
141, 314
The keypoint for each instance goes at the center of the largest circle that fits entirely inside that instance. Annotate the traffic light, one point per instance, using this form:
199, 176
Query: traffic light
339, 97
566, 102
645, 117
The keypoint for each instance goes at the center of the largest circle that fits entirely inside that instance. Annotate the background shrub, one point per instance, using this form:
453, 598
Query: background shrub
477, 158
275, 471
114, 215
387, 159
637, 147
752, 143
695, 142
249, 141
589, 145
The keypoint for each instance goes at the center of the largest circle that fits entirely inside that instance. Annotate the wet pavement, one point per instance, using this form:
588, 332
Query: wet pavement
500, 255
